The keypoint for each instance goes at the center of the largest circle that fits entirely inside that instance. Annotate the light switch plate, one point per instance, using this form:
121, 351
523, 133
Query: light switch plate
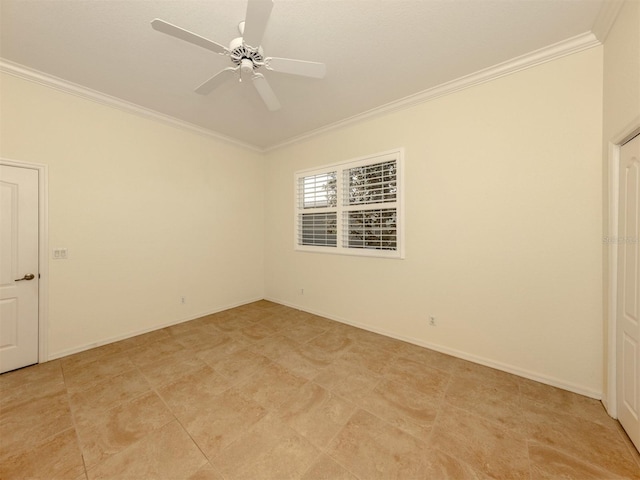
60, 254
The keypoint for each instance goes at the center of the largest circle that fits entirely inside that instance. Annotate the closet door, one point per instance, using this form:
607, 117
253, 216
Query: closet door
628, 321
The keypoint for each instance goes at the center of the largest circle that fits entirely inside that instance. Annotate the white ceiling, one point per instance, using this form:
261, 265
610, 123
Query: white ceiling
376, 52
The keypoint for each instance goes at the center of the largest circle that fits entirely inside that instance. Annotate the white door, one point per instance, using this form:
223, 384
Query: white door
628, 321
18, 267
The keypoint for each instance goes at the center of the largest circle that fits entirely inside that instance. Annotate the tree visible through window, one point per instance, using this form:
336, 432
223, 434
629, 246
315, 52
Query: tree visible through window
351, 208
366, 185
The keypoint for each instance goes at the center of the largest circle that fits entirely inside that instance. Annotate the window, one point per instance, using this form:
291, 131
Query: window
352, 208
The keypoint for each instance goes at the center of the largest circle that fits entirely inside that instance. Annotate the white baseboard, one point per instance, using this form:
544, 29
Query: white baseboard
88, 346
547, 380
438, 348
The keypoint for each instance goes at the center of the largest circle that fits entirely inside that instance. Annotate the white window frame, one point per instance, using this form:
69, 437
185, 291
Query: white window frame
340, 209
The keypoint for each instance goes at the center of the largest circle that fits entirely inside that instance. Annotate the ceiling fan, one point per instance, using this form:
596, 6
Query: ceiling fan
246, 54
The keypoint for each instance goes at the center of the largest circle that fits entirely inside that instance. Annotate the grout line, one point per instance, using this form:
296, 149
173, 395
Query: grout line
328, 454
635, 454
175, 417
74, 423
256, 316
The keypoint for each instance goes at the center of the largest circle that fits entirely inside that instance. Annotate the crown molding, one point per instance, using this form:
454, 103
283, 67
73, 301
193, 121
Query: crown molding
566, 47
85, 93
561, 49
606, 18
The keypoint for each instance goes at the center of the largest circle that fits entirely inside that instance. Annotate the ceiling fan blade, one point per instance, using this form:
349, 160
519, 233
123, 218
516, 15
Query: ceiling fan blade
265, 91
258, 12
215, 81
187, 36
296, 67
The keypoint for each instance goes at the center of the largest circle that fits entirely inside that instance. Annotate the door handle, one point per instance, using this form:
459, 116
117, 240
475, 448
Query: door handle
28, 276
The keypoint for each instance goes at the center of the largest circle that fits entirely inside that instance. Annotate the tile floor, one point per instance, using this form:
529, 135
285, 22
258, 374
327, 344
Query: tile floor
267, 392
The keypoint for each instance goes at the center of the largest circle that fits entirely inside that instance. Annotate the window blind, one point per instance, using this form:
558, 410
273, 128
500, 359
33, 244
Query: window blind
351, 208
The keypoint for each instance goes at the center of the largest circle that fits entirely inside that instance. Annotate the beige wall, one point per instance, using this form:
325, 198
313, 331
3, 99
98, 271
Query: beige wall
503, 213
148, 212
621, 117
503, 225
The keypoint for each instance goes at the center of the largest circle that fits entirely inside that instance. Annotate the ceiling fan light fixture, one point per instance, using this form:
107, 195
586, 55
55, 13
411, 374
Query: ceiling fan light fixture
246, 69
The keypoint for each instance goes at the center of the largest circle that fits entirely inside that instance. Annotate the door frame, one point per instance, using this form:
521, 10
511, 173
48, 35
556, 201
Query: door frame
43, 255
610, 397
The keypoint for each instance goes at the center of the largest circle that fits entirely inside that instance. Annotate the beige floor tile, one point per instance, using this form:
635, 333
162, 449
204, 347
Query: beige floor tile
230, 322
315, 413
369, 357
488, 376
197, 339
240, 364
193, 392
550, 464
29, 423
274, 347
311, 319
154, 352
87, 404
495, 404
58, 457
271, 386
30, 384
442, 466
223, 419
278, 322
207, 472
372, 449
428, 358
92, 354
404, 407
635, 453
242, 339
347, 380
43, 373
302, 333
564, 401
325, 468
376, 342
299, 366
144, 339
320, 353
304, 360
430, 381
483, 445
168, 453
222, 346
289, 394
214, 317
257, 331
270, 450
332, 342
580, 438
86, 375
114, 430
258, 307
344, 328
183, 328
171, 367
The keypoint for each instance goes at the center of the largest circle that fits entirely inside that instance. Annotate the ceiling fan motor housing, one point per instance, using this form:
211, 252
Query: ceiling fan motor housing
239, 51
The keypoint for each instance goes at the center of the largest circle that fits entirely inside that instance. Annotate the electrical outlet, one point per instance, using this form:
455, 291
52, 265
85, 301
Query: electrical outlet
183, 300
432, 320
302, 291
